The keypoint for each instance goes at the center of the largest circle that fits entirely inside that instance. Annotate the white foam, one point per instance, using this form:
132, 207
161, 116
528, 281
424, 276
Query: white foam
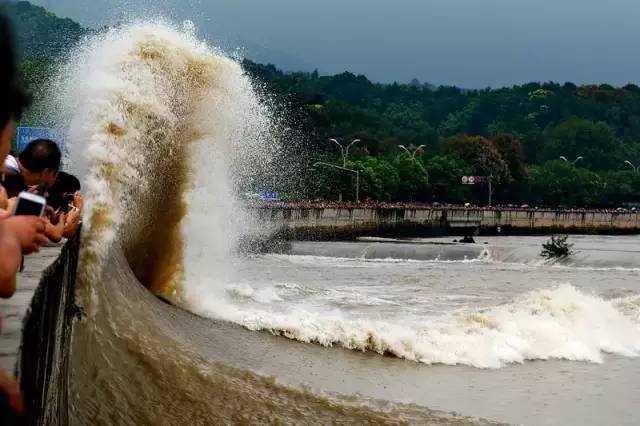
111, 77
164, 92
560, 323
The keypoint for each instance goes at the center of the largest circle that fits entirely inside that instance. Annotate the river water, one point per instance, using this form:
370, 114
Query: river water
523, 340
163, 131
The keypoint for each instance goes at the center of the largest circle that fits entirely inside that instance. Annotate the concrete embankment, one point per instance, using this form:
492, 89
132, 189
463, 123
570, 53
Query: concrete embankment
14, 309
344, 222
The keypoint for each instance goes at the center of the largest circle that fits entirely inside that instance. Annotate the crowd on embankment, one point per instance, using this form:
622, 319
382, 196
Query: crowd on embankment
370, 204
331, 220
39, 203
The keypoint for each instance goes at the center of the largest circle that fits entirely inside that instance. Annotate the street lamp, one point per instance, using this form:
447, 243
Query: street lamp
411, 154
356, 172
344, 150
562, 157
635, 168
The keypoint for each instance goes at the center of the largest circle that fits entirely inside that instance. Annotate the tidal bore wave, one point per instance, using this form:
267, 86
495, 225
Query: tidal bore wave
156, 121
153, 117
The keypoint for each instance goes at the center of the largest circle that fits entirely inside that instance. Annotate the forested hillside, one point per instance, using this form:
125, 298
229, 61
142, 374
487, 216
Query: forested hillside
544, 143
40, 34
517, 135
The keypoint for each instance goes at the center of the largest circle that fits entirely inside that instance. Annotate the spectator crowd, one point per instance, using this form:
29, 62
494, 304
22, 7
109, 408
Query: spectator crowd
35, 170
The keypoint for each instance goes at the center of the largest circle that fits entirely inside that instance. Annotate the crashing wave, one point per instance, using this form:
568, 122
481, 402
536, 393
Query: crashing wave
155, 122
155, 118
560, 323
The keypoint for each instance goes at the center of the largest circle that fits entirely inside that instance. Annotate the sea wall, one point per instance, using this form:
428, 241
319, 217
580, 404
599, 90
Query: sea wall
343, 222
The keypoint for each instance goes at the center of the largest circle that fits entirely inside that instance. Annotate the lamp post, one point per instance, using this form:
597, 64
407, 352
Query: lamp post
635, 168
490, 180
411, 154
482, 166
356, 172
344, 150
578, 158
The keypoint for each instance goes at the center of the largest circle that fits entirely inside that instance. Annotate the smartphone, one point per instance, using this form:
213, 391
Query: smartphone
30, 205
67, 201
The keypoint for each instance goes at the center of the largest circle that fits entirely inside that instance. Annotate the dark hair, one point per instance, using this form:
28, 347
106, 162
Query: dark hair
66, 183
39, 155
61, 193
13, 99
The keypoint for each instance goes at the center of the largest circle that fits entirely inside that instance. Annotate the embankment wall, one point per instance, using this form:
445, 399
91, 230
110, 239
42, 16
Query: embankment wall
344, 222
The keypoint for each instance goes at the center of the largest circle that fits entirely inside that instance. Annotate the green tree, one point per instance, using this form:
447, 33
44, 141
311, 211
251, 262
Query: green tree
458, 121
379, 180
413, 176
510, 149
511, 130
560, 183
445, 174
620, 187
594, 141
482, 153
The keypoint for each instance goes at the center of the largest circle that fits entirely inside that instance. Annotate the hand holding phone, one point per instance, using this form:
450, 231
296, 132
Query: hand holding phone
29, 204
27, 231
4, 198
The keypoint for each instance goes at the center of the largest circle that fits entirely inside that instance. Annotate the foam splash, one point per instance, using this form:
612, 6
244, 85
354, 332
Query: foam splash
157, 119
160, 123
559, 323
155, 122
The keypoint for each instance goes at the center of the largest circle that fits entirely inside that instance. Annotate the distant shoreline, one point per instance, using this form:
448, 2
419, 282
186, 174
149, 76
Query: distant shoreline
344, 221
427, 206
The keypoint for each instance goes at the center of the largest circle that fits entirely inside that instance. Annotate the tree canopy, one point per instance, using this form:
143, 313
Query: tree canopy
539, 142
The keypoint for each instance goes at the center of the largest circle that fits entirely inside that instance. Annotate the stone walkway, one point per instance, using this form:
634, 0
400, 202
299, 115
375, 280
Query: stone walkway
13, 310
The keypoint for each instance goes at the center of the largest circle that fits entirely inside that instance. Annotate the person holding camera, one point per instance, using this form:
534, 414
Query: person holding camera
19, 235
37, 170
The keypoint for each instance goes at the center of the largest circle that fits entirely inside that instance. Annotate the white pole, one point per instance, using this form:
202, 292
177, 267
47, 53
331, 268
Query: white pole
490, 192
347, 150
635, 168
344, 158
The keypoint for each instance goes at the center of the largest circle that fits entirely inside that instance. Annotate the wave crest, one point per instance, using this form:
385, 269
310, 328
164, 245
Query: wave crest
155, 119
559, 323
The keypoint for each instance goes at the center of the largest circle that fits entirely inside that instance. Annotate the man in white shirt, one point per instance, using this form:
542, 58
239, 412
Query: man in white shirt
11, 165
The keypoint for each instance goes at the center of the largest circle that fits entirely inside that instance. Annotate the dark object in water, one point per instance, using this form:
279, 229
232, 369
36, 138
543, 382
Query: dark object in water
557, 248
468, 239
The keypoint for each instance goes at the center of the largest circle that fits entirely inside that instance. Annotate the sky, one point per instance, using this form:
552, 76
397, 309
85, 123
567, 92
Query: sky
468, 43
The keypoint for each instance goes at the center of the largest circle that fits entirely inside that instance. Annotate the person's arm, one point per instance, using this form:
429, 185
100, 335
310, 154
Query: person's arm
10, 261
8, 212
55, 232
72, 222
4, 199
6, 205
18, 235
78, 201
74, 216
11, 388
